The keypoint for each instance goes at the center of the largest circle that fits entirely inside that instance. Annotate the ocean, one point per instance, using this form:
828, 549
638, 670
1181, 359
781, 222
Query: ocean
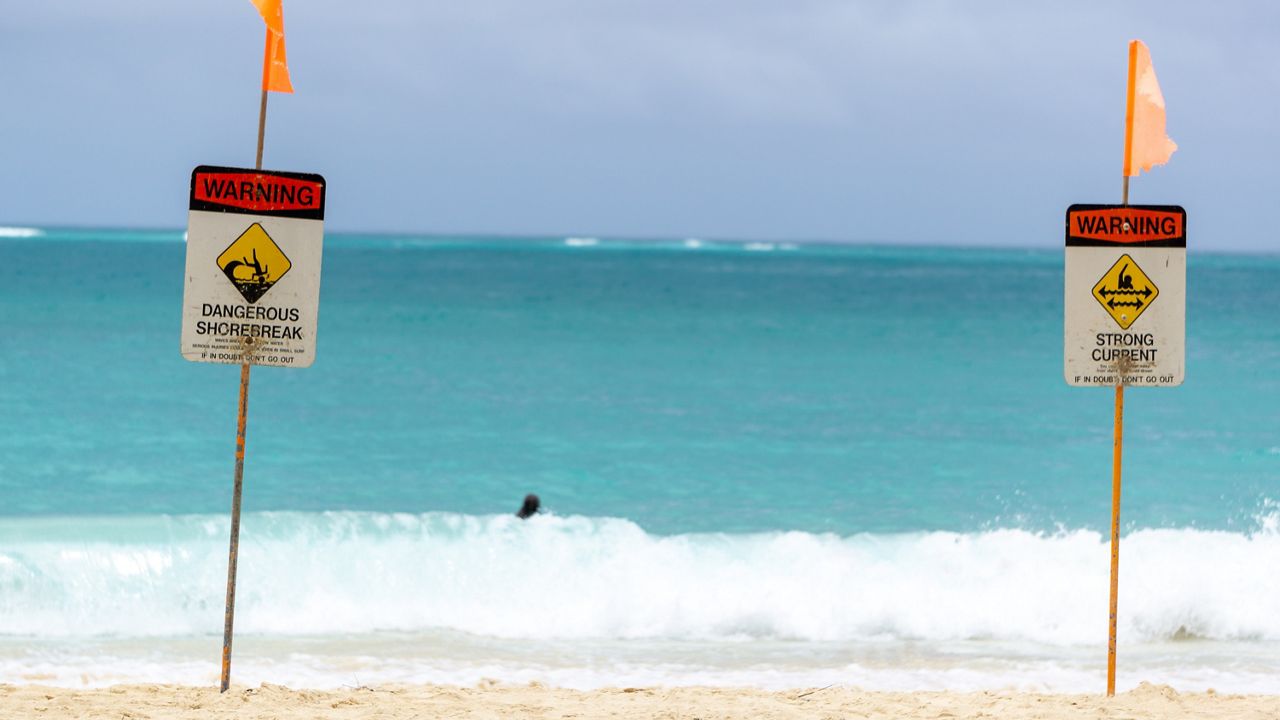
767, 464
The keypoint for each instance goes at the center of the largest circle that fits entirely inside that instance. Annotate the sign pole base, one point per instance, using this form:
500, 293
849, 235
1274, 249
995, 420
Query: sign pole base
229, 617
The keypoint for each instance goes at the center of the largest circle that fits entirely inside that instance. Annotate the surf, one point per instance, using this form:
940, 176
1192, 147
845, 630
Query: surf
582, 578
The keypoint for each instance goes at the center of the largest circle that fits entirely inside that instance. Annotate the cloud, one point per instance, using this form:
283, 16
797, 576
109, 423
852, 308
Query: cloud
917, 121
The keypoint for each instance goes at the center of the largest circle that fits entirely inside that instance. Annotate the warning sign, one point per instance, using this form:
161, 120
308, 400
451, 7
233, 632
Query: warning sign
1125, 291
253, 276
253, 267
1125, 301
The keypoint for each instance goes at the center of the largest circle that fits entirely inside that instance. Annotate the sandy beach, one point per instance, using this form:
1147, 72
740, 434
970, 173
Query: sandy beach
134, 702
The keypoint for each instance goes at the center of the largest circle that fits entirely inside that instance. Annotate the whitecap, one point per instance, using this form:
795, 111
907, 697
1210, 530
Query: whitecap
20, 232
601, 578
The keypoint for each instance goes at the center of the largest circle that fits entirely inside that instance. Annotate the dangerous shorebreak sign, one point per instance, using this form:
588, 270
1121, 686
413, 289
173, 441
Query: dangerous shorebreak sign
1125, 302
252, 290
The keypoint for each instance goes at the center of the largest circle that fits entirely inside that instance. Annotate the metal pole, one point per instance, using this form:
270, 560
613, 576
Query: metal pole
262, 110
1121, 369
262, 128
1115, 532
229, 616
1116, 452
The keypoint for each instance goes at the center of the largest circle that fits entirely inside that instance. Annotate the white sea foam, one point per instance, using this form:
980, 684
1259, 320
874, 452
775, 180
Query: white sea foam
20, 232
375, 659
586, 578
581, 241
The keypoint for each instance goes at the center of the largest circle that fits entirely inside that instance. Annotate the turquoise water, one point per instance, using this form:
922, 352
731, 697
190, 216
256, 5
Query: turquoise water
705, 422
816, 388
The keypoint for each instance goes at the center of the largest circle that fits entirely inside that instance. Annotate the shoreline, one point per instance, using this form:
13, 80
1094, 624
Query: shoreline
491, 699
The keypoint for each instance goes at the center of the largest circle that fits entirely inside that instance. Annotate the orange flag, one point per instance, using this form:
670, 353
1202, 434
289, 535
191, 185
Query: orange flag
275, 70
1146, 144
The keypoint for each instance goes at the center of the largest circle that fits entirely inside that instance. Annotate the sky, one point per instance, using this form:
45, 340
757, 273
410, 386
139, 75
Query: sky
899, 122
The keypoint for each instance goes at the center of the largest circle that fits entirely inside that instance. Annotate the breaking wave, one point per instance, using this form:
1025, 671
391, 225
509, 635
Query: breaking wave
578, 577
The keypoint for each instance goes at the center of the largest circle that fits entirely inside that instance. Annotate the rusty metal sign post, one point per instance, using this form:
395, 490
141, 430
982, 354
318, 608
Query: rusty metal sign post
252, 235
229, 615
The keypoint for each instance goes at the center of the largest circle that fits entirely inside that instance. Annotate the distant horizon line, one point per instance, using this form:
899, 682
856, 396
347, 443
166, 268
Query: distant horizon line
21, 231
464, 234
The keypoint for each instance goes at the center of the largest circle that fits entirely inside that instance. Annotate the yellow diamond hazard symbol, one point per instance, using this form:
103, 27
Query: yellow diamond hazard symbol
253, 263
1125, 292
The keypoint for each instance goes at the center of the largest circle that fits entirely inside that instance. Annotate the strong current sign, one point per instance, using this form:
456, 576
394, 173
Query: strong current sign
252, 289
1125, 302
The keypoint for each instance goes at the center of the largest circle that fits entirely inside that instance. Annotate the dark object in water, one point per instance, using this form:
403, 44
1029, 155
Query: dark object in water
530, 507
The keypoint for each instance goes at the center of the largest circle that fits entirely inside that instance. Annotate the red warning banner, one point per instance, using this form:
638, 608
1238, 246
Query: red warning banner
257, 192
1158, 225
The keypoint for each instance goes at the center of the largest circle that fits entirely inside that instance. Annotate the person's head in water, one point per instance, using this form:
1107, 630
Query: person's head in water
530, 507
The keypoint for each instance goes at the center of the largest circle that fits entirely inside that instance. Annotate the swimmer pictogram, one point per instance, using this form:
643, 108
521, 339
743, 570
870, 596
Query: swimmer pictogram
1125, 291
253, 263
